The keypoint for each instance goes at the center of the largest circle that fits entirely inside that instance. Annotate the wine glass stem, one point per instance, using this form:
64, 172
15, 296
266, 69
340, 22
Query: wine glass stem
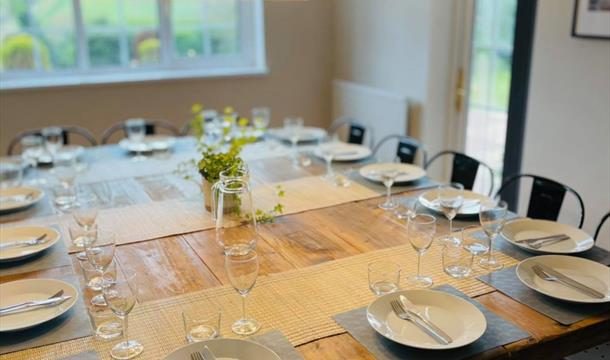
388, 195
418, 264
294, 149
489, 253
329, 169
450, 226
125, 326
243, 306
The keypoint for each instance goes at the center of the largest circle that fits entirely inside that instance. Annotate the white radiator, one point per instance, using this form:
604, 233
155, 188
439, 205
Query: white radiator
383, 111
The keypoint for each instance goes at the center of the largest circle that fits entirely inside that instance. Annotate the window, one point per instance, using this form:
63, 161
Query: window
69, 42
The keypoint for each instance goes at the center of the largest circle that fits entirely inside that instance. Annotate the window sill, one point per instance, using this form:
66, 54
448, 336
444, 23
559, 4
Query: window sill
128, 77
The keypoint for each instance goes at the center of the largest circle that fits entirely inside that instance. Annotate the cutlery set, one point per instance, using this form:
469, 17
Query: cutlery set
17, 198
204, 354
538, 242
32, 242
55, 299
406, 310
548, 274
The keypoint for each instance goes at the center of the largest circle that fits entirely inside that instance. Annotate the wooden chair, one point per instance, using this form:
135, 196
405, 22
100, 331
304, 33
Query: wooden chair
546, 197
406, 150
357, 132
464, 169
152, 127
67, 133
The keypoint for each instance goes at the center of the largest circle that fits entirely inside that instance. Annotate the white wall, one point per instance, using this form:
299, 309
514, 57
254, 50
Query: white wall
567, 135
402, 46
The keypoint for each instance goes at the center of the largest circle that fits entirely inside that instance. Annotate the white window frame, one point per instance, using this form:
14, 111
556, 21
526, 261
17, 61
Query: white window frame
250, 61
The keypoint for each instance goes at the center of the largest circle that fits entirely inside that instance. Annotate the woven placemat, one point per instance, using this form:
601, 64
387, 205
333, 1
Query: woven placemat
300, 303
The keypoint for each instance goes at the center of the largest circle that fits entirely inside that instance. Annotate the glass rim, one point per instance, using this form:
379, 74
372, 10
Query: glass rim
430, 219
384, 263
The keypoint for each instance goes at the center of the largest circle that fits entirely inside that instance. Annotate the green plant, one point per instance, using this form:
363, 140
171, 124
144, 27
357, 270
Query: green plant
213, 161
148, 50
18, 52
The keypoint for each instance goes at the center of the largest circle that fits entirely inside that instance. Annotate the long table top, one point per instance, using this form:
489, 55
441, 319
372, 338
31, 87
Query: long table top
182, 263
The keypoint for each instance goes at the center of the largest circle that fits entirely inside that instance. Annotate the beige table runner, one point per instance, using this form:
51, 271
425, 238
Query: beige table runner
300, 303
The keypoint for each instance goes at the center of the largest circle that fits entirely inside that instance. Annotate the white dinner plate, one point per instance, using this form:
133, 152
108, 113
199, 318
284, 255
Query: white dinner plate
471, 205
226, 349
150, 143
587, 272
407, 172
15, 292
520, 229
22, 234
461, 320
306, 134
15, 198
343, 151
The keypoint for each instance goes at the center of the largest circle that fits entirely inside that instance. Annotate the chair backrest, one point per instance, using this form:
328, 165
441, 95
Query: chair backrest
546, 197
464, 169
67, 132
406, 150
601, 224
357, 131
152, 127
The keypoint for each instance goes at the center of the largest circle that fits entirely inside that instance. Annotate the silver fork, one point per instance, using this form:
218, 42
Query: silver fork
7, 308
566, 281
37, 241
401, 313
208, 354
197, 356
537, 244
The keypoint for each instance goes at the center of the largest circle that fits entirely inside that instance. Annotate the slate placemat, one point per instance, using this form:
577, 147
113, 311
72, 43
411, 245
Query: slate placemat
73, 324
566, 313
498, 333
276, 341
55, 256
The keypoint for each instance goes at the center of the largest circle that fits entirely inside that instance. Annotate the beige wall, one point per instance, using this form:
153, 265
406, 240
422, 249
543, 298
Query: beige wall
299, 55
567, 135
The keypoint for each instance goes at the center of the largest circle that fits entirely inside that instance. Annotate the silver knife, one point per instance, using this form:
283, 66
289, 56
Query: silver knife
410, 307
34, 304
30, 242
571, 282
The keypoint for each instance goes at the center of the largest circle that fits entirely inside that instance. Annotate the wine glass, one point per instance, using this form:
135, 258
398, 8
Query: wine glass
85, 211
420, 230
53, 139
121, 297
476, 245
31, 149
136, 131
293, 128
450, 200
261, 117
328, 150
388, 177
492, 218
100, 252
242, 270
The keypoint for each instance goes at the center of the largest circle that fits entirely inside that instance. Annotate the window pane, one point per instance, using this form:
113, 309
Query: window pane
479, 84
122, 33
502, 79
40, 37
205, 27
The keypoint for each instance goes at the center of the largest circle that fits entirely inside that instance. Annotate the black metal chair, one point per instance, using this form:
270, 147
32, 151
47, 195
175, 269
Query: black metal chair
406, 150
356, 133
546, 197
464, 169
67, 133
601, 225
152, 127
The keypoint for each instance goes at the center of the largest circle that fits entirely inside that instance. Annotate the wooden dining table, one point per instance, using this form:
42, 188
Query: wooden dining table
182, 263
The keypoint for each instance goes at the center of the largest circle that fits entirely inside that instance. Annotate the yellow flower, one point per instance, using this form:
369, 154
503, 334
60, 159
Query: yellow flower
229, 110
243, 121
196, 108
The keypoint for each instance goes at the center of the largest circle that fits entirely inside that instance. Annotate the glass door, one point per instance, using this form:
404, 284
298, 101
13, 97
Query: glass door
488, 80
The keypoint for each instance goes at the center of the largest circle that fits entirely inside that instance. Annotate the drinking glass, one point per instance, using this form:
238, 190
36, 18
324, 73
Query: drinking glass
85, 211
457, 260
261, 116
11, 173
450, 200
201, 323
100, 253
242, 270
293, 128
476, 245
327, 150
420, 230
492, 218
121, 297
31, 149
53, 139
96, 281
104, 322
384, 277
136, 131
79, 236
388, 177
407, 208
